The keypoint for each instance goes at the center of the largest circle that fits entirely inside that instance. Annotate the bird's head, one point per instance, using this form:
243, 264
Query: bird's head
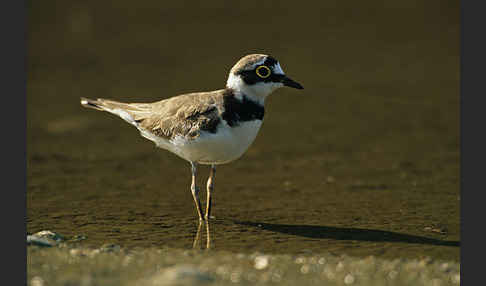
257, 76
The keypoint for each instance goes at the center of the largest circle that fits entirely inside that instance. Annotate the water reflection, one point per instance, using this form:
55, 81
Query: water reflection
197, 244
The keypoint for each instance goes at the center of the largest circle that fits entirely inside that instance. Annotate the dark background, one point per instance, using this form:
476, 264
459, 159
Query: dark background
371, 143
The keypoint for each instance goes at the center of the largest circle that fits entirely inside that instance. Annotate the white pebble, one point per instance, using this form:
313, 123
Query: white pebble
300, 260
261, 262
305, 269
37, 281
393, 274
349, 279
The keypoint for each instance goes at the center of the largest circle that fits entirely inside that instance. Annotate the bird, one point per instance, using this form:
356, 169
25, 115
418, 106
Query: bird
207, 128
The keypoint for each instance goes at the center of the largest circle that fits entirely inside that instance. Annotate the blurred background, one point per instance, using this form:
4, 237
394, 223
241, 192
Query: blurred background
371, 143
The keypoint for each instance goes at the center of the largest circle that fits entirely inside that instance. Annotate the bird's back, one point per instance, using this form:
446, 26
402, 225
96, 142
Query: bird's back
184, 115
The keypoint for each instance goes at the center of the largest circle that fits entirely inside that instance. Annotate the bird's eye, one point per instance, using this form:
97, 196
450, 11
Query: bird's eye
263, 71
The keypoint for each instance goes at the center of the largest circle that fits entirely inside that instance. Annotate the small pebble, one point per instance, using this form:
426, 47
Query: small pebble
392, 274
305, 269
50, 235
37, 281
39, 241
300, 260
45, 238
261, 262
349, 279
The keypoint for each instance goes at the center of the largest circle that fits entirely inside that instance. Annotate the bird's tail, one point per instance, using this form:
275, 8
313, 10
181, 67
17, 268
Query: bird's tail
103, 104
127, 111
89, 103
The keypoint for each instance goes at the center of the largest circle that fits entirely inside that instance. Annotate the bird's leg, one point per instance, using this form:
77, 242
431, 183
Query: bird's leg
210, 188
195, 190
197, 238
208, 237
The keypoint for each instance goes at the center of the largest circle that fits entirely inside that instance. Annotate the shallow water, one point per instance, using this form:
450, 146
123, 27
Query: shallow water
363, 161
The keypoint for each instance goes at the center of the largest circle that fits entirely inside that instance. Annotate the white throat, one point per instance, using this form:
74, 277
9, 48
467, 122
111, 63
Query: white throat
257, 92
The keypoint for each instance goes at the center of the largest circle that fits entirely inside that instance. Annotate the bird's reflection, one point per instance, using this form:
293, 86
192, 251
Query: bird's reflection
198, 238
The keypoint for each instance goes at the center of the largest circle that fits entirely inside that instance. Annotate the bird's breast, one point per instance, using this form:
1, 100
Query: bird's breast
228, 143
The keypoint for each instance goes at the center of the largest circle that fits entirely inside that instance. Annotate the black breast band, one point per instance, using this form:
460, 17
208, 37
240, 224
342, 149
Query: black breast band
236, 111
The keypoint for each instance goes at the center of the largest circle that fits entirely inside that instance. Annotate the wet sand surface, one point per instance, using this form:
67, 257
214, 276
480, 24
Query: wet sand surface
364, 161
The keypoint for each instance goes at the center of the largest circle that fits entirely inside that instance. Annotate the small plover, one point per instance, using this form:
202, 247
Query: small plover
209, 128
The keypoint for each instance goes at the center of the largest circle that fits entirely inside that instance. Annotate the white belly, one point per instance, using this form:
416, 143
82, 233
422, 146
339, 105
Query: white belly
226, 145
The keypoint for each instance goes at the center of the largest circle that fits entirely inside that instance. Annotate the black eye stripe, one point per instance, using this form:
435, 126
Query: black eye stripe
250, 77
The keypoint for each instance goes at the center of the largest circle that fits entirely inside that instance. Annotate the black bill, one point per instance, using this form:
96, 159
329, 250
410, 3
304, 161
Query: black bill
290, 83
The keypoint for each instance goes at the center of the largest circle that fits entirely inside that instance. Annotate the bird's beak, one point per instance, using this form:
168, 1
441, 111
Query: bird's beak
290, 83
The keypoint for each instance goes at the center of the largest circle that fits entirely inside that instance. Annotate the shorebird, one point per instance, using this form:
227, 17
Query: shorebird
209, 128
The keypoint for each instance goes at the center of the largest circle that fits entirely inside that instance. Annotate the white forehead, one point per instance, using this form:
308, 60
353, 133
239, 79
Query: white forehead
277, 69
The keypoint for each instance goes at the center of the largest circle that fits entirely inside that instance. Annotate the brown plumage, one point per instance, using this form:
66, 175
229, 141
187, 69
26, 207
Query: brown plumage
246, 62
184, 115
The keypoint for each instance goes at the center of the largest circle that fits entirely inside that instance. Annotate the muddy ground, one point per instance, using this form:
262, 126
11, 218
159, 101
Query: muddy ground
364, 161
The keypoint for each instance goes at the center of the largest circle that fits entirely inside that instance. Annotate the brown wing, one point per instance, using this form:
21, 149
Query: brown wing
185, 115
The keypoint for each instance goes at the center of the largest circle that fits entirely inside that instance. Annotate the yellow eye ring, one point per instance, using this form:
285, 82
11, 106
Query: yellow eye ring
266, 71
